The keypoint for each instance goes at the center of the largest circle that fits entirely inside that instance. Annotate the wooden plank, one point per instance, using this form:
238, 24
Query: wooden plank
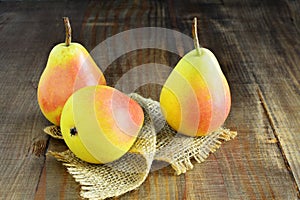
280, 93
278, 55
25, 40
275, 55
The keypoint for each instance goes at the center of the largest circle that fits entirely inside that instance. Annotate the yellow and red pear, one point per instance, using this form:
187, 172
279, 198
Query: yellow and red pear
69, 68
100, 124
195, 98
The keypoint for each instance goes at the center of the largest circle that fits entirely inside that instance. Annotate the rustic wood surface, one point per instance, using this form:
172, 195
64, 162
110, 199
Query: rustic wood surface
257, 43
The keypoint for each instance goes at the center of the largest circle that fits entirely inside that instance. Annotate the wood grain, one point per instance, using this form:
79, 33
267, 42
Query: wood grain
26, 39
257, 44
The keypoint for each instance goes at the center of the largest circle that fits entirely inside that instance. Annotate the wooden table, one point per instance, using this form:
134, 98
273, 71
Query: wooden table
257, 44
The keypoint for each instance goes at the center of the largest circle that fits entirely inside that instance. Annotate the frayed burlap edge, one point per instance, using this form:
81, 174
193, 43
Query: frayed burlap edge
53, 131
180, 152
164, 144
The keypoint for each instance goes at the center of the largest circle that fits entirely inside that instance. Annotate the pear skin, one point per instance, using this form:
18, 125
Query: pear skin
100, 124
195, 98
69, 68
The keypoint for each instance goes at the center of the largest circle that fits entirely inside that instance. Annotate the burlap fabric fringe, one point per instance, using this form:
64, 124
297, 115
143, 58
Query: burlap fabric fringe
156, 141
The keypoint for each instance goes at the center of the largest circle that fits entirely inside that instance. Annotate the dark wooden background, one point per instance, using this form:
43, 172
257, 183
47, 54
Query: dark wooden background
257, 43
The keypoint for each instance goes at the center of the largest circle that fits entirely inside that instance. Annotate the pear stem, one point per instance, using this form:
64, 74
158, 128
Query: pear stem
195, 36
68, 31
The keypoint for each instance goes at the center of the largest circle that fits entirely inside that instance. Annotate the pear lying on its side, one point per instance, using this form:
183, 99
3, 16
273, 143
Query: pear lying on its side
99, 123
69, 68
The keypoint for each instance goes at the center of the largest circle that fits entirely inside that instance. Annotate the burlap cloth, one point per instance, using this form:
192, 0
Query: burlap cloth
156, 141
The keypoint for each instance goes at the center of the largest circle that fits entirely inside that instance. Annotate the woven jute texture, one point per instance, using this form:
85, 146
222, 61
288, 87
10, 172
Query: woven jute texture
156, 141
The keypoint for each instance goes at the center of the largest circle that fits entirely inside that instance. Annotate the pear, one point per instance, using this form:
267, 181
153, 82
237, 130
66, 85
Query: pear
100, 124
69, 68
195, 99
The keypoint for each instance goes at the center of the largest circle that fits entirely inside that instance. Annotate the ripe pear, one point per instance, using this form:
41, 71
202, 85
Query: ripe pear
99, 123
195, 98
69, 68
